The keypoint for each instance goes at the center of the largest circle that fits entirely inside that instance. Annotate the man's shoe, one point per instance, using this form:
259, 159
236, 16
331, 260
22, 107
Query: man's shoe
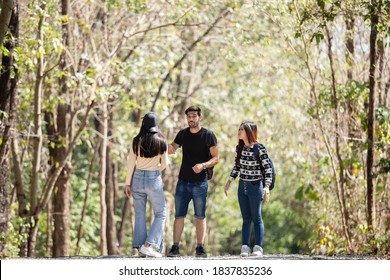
245, 251
174, 252
257, 251
150, 251
200, 253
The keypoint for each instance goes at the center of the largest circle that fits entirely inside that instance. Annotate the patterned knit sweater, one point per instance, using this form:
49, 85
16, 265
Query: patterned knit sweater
249, 167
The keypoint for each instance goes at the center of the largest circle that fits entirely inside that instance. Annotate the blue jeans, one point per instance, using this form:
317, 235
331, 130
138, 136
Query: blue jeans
148, 184
187, 191
250, 198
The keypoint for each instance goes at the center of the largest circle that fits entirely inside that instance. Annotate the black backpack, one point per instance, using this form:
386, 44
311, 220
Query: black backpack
257, 156
209, 171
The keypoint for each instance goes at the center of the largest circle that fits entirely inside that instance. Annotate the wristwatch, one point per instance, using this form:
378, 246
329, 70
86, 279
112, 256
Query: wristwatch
204, 166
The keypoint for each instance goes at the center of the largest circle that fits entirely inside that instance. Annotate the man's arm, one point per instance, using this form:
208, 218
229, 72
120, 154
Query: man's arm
214, 157
172, 148
207, 164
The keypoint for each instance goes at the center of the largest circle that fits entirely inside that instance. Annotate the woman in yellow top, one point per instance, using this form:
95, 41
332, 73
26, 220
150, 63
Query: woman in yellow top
148, 157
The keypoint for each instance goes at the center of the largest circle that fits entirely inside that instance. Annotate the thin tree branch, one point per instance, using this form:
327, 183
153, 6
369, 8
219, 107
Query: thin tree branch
222, 14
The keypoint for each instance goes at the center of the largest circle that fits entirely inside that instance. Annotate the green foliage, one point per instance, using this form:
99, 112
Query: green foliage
90, 238
325, 241
249, 67
382, 115
383, 244
15, 236
307, 193
286, 229
4, 115
136, 7
315, 19
353, 93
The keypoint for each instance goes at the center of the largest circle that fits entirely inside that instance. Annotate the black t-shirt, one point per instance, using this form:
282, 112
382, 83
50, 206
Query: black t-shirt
196, 149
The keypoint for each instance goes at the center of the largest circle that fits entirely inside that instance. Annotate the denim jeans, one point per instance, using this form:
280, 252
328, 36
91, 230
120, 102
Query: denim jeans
148, 184
187, 191
250, 198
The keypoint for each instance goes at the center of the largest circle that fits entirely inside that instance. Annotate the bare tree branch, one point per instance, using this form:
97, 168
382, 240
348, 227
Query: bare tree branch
222, 14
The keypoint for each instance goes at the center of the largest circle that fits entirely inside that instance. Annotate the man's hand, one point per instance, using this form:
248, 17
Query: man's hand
198, 168
172, 148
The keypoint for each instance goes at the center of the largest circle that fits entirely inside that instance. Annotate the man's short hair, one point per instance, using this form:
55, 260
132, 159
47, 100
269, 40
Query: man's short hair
194, 109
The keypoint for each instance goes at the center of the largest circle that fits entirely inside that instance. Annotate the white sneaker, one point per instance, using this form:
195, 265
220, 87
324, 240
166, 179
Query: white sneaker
245, 251
150, 251
257, 251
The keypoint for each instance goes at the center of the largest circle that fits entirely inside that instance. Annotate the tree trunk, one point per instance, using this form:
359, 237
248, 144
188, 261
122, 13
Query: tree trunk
51, 132
126, 211
386, 97
381, 70
37, 140
110, 193
340, 181
350, 53
61, 216
7, 7
49, 231
371, 119
103, 129
7, 104
20, 194
84, 210
350, 121
4, 203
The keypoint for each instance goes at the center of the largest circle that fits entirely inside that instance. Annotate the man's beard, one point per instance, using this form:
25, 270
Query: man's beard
193, 124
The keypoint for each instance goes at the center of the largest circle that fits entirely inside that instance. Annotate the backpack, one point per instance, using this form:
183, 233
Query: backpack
257, 156
209, 173
209, 170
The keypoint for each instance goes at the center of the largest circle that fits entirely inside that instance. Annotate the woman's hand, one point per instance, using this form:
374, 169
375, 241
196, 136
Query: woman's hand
266, 193
227, 187
128, 191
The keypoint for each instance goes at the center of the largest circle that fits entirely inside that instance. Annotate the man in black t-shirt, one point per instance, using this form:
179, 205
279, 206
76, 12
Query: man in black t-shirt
200, 153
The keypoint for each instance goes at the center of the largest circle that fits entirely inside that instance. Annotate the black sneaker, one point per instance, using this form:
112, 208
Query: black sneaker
200, 253
174, 252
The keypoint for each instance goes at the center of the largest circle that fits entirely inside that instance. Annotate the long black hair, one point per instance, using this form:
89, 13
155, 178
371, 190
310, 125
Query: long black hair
149, 144
250, 129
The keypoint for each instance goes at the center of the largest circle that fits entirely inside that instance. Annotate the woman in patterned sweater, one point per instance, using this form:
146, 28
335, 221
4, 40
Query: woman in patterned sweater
251, 191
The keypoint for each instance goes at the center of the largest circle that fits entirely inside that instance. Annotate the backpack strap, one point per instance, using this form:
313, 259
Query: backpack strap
256, 152
257, 157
